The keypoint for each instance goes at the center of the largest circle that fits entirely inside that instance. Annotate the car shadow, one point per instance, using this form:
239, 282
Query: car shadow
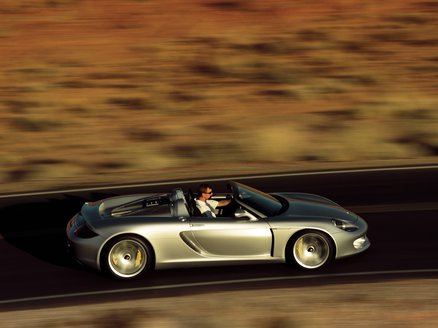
37, 225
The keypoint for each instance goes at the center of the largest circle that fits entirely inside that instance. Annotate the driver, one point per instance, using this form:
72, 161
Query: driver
205, 204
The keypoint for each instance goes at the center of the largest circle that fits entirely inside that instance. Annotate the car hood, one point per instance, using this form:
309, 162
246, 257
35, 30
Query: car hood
308, 205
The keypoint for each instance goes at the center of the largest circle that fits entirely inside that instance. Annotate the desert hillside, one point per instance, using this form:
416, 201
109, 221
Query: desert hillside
109, 91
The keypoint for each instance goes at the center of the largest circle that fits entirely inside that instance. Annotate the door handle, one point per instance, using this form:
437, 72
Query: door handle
197, 224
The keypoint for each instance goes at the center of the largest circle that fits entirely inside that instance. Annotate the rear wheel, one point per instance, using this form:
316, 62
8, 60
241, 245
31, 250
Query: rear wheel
310, 250
127, 257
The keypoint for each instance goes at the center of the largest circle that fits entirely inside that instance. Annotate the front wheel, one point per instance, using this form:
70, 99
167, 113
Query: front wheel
127, 257
310, 250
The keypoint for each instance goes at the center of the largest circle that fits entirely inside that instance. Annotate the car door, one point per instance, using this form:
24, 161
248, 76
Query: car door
232, 237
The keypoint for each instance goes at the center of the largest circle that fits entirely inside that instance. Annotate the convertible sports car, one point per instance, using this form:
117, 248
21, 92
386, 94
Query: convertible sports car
126, 236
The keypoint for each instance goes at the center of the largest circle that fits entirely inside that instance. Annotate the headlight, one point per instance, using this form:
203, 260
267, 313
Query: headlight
360, 242
344, 225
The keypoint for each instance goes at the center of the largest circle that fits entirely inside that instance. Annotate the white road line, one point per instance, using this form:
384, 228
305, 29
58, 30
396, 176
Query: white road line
215, 283
275, 175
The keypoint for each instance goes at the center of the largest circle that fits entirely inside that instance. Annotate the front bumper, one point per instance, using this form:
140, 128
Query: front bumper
351, 243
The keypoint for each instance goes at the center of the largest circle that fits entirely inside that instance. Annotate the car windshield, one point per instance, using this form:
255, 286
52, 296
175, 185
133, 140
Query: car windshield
257, 200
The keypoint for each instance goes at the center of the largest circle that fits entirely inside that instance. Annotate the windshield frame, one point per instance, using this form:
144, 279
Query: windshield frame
258, 201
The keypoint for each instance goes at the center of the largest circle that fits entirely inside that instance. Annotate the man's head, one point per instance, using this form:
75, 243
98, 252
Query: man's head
205, 191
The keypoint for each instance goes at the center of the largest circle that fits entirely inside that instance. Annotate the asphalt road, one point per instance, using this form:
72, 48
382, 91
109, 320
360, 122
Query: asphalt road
400, 206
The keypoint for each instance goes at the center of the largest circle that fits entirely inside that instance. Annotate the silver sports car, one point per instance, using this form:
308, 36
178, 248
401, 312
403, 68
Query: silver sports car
128, 235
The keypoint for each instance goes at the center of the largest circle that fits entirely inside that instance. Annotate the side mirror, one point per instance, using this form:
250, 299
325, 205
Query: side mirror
241, 213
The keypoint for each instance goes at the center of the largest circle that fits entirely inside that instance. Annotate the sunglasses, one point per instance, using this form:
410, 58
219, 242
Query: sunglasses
208, 193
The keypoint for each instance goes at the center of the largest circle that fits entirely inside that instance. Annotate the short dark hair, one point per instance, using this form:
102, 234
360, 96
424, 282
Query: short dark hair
203, 188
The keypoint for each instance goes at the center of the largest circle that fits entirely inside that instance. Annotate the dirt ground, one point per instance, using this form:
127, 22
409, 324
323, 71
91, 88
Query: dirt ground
101, 92
403, 303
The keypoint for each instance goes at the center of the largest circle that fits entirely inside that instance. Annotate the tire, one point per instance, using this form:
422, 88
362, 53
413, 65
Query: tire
310, 250
127, 257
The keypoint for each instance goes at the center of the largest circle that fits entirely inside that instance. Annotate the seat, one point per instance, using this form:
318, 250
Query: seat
194, 211
181, 208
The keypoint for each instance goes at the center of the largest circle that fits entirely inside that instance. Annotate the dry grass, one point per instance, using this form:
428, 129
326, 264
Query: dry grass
92, 90
406, 303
